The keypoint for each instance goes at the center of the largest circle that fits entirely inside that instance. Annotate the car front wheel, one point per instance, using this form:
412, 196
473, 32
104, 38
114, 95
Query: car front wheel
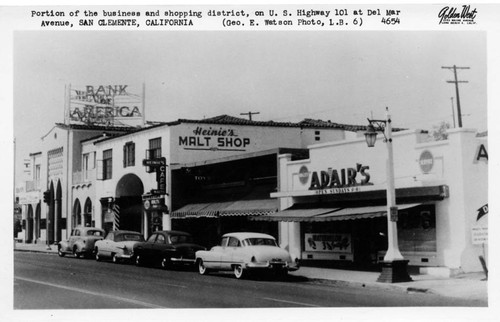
165, 263
202, 268
75, 252
239, 272
60, 252
138, 260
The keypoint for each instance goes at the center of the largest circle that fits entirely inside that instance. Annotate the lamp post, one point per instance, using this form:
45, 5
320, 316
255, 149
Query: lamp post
394, 266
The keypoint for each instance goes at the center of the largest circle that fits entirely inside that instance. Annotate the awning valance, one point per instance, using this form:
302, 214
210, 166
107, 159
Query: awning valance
198, 210
256, 207
329, 214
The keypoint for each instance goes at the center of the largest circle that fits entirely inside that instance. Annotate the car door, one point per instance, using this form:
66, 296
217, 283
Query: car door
145, 248
73, 238
158, 247
227, 252
105, 249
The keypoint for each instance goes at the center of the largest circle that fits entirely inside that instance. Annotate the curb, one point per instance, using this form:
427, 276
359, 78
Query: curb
372, 285
35, 251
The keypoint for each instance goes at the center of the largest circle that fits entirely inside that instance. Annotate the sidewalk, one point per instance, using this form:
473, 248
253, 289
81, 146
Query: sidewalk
470, 286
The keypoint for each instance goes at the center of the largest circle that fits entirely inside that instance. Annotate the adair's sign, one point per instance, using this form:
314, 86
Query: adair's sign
104, 104
337, 179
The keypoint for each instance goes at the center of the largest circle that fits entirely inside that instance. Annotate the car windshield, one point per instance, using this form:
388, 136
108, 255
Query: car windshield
259, 242
94, 233
129, 237
180, 239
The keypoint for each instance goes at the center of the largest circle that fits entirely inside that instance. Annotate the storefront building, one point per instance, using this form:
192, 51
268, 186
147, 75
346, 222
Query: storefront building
333, 204
135, 188
46, 196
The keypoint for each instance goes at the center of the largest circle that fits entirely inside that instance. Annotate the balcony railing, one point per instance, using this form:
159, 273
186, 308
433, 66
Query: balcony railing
84, 176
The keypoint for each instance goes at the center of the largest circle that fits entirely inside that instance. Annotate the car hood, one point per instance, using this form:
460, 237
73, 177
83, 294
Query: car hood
268, 253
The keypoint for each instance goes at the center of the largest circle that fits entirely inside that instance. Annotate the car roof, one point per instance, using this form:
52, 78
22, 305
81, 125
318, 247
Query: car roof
88, 228
172, 232
119, 232
245, 235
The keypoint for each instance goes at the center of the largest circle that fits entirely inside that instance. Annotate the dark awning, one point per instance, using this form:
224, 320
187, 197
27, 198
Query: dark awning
329, 214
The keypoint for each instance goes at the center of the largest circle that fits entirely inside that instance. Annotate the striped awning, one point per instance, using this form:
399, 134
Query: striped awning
256, 207
329, 214
199, 210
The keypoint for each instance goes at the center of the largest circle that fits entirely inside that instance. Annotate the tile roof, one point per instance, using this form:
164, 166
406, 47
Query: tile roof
95, 127
306, 123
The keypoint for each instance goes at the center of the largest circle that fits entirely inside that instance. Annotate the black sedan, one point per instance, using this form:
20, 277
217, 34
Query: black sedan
166, 247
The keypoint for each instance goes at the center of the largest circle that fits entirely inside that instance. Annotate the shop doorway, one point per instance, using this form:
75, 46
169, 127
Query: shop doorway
128, 203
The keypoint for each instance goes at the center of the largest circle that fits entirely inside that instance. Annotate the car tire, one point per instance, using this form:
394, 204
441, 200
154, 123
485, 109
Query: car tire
76, 253
97, 255
115, 259
202, 269
60, 251
239, 272
138, 261
166, 263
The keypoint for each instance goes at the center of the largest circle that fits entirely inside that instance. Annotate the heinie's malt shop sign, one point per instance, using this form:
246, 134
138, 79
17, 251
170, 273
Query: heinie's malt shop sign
212, 138
104, 104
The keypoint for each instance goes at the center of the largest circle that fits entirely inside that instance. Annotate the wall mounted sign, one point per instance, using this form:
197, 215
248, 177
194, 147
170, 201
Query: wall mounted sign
303, 174
214, 139
337, 179
426, 161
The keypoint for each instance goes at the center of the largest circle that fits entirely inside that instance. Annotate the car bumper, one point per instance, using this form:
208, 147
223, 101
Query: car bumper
182, 260
273, 266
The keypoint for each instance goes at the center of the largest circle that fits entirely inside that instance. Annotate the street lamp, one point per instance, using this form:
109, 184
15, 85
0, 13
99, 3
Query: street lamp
394, 266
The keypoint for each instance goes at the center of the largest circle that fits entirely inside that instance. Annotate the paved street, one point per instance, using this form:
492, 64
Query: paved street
46, 281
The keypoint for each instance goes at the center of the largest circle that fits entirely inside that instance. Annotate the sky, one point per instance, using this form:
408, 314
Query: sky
344, 77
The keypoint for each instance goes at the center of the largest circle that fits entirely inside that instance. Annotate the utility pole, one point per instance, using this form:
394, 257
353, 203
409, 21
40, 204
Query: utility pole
250, 114
456, 81
453, 112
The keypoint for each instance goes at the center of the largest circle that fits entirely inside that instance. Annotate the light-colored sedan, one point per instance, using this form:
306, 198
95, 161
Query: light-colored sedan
245, 252
80, 242
117, 245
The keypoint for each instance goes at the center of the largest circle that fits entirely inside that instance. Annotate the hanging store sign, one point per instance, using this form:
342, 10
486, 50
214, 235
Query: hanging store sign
159, 165
105, 104
154, 203
332, 243
214, 139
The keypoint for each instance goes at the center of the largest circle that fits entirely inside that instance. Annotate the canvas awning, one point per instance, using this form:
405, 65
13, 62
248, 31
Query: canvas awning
198, 210
257, 207
329, 214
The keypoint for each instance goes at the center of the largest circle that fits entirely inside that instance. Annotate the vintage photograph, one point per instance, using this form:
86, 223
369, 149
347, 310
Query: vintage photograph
215, 169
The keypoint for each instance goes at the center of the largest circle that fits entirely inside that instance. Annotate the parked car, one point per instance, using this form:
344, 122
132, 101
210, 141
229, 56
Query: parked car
245, 252
80, 242
166, 248
117, 245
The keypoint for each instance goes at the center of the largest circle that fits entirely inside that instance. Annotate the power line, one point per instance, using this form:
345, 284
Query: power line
456, 81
